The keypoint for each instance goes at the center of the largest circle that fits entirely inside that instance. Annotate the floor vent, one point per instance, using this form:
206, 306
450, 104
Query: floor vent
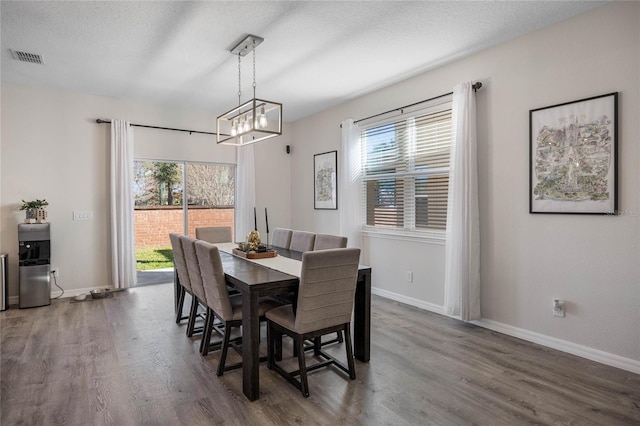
31, 58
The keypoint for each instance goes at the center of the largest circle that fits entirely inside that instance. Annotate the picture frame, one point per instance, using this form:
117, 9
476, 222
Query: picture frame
573, 157
325, 181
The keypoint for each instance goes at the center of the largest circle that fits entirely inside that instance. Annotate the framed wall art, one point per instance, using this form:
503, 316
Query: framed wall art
325, 181
573, 157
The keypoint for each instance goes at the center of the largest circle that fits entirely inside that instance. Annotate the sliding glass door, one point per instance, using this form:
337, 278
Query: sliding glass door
178, 197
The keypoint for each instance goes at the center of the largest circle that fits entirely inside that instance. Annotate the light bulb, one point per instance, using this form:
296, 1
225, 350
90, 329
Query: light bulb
234, 128
246, 126
262, 120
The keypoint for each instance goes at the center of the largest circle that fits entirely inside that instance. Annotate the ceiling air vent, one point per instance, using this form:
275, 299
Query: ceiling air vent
31, 58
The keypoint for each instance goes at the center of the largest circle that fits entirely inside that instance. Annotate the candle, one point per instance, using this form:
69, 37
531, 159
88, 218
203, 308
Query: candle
255, 219
266, 219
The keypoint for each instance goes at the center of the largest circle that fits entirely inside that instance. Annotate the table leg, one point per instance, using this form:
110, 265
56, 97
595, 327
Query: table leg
362, 318
250, 345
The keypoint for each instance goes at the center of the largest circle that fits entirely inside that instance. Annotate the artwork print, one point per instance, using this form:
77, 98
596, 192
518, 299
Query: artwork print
325, 180
573, 157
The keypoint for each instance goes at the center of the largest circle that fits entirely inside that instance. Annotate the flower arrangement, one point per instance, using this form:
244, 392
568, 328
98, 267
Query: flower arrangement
35, 211
252, 244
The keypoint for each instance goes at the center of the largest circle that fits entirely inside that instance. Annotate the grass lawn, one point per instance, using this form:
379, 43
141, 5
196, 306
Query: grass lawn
154, 258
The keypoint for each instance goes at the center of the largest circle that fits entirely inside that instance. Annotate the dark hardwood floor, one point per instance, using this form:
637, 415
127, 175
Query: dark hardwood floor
124, 361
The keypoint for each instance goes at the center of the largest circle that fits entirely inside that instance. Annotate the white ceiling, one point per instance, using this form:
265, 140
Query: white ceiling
316, 54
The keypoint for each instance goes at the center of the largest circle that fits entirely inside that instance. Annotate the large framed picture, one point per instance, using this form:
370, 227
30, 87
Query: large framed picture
573, 157
325, 181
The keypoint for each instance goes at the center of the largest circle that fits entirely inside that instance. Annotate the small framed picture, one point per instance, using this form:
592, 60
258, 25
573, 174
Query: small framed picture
573, 157
325, 181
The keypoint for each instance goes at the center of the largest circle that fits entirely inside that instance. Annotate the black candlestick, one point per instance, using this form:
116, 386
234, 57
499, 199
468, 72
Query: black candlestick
266, 220
255, 219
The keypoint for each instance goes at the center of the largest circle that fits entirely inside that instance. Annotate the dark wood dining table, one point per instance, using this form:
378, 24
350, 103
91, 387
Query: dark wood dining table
255, 281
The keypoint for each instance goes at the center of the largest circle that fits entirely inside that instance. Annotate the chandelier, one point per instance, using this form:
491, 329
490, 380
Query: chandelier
255, 120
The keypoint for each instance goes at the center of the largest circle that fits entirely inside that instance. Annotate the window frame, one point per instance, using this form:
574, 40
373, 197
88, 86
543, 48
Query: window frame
409, 232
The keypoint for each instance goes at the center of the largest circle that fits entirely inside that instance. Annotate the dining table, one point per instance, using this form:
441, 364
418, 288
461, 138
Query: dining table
258, 278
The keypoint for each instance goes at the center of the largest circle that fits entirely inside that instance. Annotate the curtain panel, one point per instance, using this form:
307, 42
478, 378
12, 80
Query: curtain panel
350, 185
123, 254
462, 262
246, 189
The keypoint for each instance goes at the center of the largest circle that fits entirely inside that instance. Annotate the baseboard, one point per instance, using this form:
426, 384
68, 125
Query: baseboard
14, 300
596, 355
602, 357
431, 307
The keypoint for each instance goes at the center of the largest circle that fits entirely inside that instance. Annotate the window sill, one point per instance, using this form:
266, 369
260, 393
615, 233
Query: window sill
430, 237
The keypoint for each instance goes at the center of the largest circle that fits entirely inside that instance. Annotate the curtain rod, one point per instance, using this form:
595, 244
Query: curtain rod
100, 121
475, 86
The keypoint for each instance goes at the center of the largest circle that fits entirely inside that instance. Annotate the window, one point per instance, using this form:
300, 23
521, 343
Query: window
406, 171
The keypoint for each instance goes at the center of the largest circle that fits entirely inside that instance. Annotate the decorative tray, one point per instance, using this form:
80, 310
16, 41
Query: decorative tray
256, 255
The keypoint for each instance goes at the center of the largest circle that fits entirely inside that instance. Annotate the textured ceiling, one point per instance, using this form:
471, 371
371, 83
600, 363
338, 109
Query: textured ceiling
316, 54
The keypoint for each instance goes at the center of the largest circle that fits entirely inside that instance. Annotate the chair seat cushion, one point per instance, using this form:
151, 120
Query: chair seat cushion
282, 315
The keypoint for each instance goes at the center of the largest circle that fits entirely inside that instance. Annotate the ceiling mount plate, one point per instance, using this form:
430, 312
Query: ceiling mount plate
247, 45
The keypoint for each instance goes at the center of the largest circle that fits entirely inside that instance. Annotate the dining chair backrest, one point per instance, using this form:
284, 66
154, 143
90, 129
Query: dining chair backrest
281, 238
214, 234
326, 241
189, 247
215, 286
179, 261
302, 241
327, 288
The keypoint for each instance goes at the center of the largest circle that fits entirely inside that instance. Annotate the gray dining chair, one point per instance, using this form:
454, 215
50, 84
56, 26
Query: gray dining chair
180, 264
281, 238
214, 234
326, 241
325, 304
227, 309
302, 241
197, 287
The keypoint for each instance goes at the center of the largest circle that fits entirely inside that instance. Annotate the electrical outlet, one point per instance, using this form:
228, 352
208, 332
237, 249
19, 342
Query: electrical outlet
558, 308
409, 276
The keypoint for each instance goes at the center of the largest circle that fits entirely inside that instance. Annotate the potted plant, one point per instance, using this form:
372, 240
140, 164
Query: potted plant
35, 211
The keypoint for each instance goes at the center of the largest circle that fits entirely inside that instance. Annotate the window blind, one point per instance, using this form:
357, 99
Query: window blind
406, 171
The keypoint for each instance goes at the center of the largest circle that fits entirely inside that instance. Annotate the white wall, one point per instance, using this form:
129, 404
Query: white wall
53, 149
527, 260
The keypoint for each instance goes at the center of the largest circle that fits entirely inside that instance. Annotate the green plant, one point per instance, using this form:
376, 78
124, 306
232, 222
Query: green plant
26, 205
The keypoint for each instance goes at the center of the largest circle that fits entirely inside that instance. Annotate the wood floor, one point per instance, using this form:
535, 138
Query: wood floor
123, 361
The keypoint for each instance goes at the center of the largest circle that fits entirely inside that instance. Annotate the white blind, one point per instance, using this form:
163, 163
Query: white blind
406, 171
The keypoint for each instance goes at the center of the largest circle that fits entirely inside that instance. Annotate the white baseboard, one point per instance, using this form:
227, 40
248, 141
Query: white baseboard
431, 307
602, 357
14, 300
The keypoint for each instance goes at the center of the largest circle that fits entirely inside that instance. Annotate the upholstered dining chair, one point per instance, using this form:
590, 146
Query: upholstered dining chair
325, 304
189, 248
228, 309
326, 241
183, 274
281, 238
302, 241
214, 234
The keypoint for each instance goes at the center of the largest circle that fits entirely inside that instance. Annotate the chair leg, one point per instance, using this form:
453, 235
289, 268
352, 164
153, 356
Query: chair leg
206, 333
350, 362
181, 294
225, 346
192, 316
339, 336
304, 384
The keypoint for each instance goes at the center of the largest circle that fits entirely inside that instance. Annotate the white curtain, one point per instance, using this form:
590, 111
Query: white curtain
123, 254
246, 185
462, 262
350, 185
